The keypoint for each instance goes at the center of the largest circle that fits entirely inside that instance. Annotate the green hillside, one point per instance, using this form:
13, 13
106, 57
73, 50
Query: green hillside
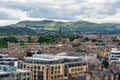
70, 26
46, 26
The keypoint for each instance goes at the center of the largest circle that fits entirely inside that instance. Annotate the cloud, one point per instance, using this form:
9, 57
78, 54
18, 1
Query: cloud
7, 22
91, 10
102, 1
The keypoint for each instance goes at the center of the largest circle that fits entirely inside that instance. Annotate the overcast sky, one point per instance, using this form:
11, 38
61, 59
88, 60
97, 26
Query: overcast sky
12, 11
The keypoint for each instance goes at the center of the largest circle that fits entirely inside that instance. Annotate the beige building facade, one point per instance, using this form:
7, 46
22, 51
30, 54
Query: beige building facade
47, 67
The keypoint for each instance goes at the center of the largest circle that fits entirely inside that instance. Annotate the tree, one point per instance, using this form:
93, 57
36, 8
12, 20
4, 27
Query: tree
29, 39
85, 39
10, 39
47, 39
105, 64
4, 41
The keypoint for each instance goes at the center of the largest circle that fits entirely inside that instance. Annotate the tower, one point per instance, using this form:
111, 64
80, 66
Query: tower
60, 36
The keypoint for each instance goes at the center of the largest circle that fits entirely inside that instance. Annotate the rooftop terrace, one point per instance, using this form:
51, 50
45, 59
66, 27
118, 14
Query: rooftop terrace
52, 59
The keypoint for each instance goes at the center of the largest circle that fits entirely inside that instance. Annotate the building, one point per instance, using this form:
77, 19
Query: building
94, 63
83, 77
12, 73
30, 53
53, 67
6, 60
60, 36
99, 75
62, 40
6, 76
114, 56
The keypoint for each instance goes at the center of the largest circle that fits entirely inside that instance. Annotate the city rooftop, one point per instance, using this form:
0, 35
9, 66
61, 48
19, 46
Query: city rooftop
45, 57
52, 59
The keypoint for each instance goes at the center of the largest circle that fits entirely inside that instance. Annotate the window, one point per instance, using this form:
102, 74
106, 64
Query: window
34, 76
28, 74
55, 67
58, 67
34, 72
28, 78
24, 66
52, 70
31, 67
39, 67
34, 67
58, 72
43, 68
24, 79
27, 67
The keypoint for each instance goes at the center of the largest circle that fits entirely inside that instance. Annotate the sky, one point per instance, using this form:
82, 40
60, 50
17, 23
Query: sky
99, 11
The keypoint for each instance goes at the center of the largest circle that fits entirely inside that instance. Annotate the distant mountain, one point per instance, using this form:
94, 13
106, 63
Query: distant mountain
82, 26
16, 30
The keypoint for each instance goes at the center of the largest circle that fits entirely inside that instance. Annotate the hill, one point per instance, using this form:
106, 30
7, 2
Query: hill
83, 26
10, 30
49, 25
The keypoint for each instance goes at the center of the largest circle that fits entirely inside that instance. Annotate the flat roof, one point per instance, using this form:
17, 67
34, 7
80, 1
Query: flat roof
6, 62
50, 57
9, 58
115, 51
16, 70
4, 72
3, 55
20, 70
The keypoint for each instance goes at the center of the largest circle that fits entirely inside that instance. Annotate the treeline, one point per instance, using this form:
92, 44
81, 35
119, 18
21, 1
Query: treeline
4, 41
54, 38
48, 38
43, 39
9, 30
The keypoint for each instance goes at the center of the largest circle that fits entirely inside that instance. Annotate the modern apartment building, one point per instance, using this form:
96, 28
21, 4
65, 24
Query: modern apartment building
114, 56
6, 60
53, 67
12, 73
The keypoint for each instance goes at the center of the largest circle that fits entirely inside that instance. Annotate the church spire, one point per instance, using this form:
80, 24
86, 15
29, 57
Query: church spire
60, 35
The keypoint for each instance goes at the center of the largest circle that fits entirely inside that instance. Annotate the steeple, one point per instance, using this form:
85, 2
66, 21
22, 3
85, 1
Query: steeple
60, 36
